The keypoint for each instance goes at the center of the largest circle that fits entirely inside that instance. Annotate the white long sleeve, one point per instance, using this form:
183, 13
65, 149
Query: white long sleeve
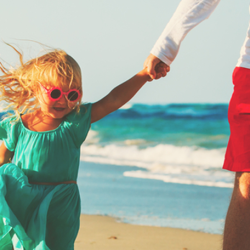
188, 14
244, 60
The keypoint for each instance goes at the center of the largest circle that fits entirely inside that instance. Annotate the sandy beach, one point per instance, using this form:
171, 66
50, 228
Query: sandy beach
104, 233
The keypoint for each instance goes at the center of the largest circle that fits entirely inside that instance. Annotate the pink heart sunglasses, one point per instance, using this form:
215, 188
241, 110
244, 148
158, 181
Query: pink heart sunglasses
56, 93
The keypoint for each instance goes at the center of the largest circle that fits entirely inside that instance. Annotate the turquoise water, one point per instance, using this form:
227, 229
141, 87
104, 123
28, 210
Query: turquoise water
202, 125
106, 191
176, 143
159, 165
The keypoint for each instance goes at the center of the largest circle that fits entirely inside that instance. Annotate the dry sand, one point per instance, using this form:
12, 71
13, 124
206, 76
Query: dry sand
104, 233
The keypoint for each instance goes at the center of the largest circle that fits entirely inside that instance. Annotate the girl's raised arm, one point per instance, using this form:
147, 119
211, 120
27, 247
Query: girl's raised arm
118, 96
122, 94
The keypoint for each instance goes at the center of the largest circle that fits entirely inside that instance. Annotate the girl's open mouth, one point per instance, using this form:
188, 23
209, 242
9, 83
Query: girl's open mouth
58, 109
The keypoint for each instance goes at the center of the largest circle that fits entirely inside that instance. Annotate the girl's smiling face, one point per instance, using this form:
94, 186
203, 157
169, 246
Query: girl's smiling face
54, 109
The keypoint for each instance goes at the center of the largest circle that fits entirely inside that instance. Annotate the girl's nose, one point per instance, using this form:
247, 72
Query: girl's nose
63, 100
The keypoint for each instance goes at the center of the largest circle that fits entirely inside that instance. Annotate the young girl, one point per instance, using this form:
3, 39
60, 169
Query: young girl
39, 198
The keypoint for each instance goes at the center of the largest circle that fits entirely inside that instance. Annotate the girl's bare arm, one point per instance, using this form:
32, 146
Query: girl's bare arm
118, 96
5, 155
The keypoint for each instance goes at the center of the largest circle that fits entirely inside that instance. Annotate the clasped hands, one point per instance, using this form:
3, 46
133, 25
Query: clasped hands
155, 67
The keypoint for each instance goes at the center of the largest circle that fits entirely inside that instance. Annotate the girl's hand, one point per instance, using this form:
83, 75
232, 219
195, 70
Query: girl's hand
155, 67
160, 71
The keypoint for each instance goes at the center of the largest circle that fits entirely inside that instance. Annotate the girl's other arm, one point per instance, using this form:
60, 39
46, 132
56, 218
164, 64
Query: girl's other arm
121, 94
5, 155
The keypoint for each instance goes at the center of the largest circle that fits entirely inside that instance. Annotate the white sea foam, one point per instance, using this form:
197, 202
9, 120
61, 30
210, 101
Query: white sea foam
168, 163
126, 106
158, 157
203, 225
173, 179
135, 142
92, 137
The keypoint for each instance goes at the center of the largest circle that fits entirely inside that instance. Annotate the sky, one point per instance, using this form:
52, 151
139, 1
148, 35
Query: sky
111, 39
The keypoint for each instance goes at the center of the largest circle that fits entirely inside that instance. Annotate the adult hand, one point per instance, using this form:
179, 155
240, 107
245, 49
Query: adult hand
155, 67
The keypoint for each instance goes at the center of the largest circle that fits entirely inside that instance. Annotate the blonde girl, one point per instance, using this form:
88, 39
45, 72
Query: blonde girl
39, 196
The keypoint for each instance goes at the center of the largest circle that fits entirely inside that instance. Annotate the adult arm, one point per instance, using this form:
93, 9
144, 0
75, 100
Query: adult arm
188, 14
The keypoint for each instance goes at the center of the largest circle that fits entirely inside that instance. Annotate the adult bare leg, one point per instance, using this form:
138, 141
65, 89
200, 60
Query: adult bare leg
237, 225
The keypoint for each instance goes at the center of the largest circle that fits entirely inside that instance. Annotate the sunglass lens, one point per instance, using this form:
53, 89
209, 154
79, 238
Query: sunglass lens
73, 95
56, 93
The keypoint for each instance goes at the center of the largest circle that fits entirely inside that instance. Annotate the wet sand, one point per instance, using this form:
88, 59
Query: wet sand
105, 233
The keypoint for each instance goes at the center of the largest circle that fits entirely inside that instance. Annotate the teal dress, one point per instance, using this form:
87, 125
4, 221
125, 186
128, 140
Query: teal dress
40, 216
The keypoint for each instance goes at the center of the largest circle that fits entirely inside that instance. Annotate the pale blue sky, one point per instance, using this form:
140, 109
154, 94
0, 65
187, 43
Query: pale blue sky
111, 39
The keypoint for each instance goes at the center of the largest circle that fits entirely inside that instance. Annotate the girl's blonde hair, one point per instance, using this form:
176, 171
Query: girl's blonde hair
19, 85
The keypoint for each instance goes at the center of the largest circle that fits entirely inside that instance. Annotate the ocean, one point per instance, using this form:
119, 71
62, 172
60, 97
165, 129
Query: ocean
159, 165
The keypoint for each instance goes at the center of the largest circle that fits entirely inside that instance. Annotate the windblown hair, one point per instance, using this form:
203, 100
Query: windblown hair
19, 85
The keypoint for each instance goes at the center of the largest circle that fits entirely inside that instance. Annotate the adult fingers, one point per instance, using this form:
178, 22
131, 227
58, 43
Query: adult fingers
164, 66
150, 64
161, 70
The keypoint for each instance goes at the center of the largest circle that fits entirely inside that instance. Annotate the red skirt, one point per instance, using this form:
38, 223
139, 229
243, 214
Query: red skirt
237, 156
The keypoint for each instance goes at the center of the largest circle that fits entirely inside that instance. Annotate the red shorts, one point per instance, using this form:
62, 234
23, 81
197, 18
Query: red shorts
237, 156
